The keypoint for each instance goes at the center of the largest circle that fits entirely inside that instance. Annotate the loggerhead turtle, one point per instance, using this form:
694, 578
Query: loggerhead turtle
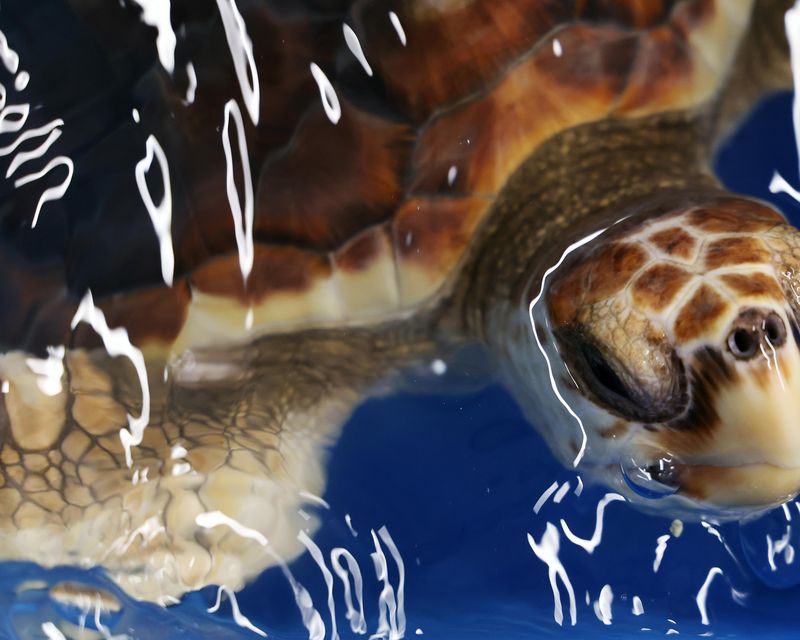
530, 175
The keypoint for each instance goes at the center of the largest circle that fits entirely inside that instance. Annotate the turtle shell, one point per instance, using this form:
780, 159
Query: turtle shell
359, 214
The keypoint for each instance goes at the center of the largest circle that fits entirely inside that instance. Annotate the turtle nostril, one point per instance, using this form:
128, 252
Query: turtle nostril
774, 330
742, 343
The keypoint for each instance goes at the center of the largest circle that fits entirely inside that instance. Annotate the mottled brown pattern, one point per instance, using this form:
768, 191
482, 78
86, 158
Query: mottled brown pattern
753, 284
333, 181
641, 14
487, 138
597, 277
674, 242
454, 52
699, 314
734, 215
275, 269
657, 287
612, 269
155, 314
435, 233
734, 251
363, 249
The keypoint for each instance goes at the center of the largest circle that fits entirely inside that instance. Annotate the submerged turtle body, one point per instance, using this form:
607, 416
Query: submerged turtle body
334, 220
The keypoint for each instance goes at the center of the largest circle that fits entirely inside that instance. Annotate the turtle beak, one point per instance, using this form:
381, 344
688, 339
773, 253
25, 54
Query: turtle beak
739, 442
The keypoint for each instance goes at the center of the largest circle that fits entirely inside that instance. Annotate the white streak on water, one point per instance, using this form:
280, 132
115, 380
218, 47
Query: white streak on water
243, 231
156, 13
211, 519
117, 343
160, 214
354, 45
316, 554
638, 608
311, 618
398, 27
544, 497
22, 80
561, 493
241, 48
574, 246
8, 55
661, 547
330, 101
776, 547
355, 616
30, 133
591, 544
238, 617
547, 551
786, 512
579, 487
349, 523
12, 125
53, 193
602, 606
383, 532
49, 371
51, 631
315, 499
391, 615
192, 88
703, 594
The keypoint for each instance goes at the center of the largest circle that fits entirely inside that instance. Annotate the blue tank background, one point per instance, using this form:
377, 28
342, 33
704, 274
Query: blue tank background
454, 478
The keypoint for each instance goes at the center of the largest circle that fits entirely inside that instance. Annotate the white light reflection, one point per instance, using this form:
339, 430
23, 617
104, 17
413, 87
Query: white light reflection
241, 48
211, 519
592, 543
574, 246
547, 551
401, 34
192, 88
330, 101
156, 13
354, 45
52, 632
49, 371
703, 594
661, 547
638, 607
544, 497
238, 617
316, 555
358, 623
117, 343
602, 606
160, 214
243, 231
392, 617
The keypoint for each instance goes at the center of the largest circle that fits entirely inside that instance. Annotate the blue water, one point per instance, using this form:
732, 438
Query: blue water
453, 476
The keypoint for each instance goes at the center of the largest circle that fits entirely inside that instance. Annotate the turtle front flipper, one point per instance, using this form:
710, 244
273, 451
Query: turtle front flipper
235, 437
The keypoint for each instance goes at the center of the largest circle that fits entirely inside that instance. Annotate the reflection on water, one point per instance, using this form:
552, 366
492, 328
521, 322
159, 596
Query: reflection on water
235, 221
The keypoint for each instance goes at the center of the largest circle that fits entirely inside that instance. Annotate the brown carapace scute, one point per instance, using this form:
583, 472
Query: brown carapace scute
683, 274
372, 217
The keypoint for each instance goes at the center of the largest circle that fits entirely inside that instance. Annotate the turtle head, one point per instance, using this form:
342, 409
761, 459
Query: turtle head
679, 338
